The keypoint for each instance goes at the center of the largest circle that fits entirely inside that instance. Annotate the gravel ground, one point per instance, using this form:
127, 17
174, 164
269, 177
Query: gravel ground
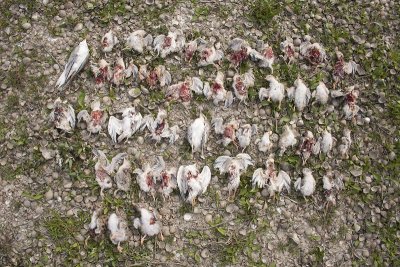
46, 206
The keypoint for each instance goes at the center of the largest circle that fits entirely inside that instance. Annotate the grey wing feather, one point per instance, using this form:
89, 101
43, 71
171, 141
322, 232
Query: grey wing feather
182, 183
116, 161
71, 116
83, 115
205, 178
114, 128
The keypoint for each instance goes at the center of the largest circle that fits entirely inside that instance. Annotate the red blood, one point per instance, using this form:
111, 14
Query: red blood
105, 42
58, 111
167, 42
152, 78
152, 220
149, 180
314, 56
239, 56
160, 128
101, 174
268, 53
165, 180
216, 87
289, 51
205, 54
350, 99
240, 87
96, 116
189, 53
184, 92
338, 70
229, 132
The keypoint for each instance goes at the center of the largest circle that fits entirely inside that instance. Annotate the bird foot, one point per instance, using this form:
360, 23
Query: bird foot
119, 248
142, 240
161, 236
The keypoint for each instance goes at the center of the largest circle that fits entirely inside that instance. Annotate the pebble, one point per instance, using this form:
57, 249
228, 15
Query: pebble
208, 218
187, 216
205, 253
26, 25
27, 203
78, 27
49, 194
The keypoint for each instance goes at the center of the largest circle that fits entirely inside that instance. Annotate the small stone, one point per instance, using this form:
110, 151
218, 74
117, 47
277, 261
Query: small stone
135, 92
356, 172
78, 27
78, 198
208, 218
357, 228
49, 194
26, 25
231, 208
172, 229
165, 231
205, 253
187, 216
27, 203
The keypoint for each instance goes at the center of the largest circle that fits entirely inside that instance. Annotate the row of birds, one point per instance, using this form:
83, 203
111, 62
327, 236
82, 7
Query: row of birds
209, 54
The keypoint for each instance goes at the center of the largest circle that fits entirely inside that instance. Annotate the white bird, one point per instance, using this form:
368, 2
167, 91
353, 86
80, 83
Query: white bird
96, 222
265, 144
125, 128
342, 67
242, 83
287, 139
159, 127
197, 134
307, 144
275, 92
63, 116
104, 169
132, 71
147, 176
147, 223
287, 47
217, 91
160, 75
183, 90
350, 108
228, 130
321, 94
192, 183
265, 58
102, 73
123, 177
316, 148
326, 142
167, 177
119, 72
118, 228
260, 177
108, 41
96, 119
306, 185
244, 135
76, 62
209, 55
193, 46
313, 53
165, 45
302, 94
234, 167
138, 41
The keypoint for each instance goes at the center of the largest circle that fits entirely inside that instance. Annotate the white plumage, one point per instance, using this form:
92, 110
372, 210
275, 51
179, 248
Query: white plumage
209, 55
228, 130
183, 90
147, 176
123, 176
314, 53
159, 127
125, 128
118, 228
275, 92
104, 169
326, 142
261, 177
265, 144
197, 134
165, 45
287, 139
265, 58
234, 167
287, 47
63, 116
167, 178
302, 94
108, 41
244, 135
192, 183
306, 185
332, 186
102, 73
76, 62
217, 91
321, 93
138, 41
307, 145
119, 71
147, 223
95, 120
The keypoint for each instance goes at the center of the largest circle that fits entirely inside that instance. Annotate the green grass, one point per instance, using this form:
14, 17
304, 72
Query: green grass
263, 11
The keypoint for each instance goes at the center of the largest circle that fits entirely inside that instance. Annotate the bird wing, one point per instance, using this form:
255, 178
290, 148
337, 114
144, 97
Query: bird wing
115, 127
159, 166
171, 133
205, 132
136, 122
165, 78
263, 93
148, 122
181, 180
71, 116
236, 44
286, 178
158, 42
248, 78
290, 92
220, 162
218, 125
207, 90
136, 223
197, 85
297, 184
83, 115
148, 40
205, 178
259, 178
245, 159
229, 99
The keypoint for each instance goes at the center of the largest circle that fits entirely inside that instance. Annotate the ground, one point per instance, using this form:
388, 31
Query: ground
46, 207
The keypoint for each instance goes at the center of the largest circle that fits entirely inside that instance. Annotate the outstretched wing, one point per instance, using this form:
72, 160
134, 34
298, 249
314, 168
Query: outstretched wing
259, 178
205, 178
171, 133
245, 160
263, 93
148, 122
116, 161
220, 163
207, 90
159, 166
218, 125
115, 127
197, 85
71, 116
182, 182
286, 178
136, 122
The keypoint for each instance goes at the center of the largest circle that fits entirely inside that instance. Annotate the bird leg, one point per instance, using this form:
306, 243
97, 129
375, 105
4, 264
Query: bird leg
193, 202
119, 248
101, 192
161, 236
142, 239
